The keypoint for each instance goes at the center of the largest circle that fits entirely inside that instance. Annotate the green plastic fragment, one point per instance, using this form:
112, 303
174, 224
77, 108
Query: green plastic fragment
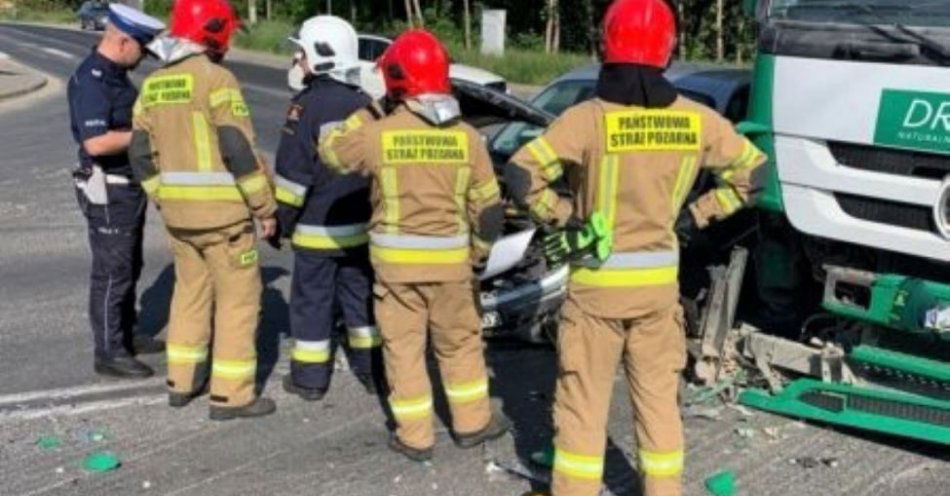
101, 461
48, 443
722, 483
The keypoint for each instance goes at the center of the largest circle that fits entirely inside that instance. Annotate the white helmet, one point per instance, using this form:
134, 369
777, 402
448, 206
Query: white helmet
331, 46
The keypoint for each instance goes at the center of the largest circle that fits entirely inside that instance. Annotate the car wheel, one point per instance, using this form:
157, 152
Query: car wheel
82, 25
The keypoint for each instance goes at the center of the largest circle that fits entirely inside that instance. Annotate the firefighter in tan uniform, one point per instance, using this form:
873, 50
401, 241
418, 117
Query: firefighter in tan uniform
436, 207
193, 151
630, 156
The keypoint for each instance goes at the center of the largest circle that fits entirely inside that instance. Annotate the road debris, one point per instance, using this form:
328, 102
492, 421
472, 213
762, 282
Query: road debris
146, 484
813, 462
49, 443
722, 483
745, 432
101, 461
703, 412
495, 468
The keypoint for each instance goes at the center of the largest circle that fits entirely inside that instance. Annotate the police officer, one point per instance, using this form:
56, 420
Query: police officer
325, 215
193, 150
100, 108
630, 156
434, 198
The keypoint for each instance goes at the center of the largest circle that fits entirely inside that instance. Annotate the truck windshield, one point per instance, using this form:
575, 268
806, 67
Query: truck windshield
919, 13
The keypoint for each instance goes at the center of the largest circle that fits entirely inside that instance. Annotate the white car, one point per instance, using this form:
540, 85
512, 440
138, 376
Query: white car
371, 80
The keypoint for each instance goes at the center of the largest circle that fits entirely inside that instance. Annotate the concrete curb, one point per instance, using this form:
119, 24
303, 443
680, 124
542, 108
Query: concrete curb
18, 80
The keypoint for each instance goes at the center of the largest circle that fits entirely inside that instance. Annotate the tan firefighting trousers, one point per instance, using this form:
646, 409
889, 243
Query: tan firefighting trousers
217, 279
652, 351
404, 312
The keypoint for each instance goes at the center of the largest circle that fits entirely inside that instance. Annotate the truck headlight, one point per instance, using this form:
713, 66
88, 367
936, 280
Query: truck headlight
942, 209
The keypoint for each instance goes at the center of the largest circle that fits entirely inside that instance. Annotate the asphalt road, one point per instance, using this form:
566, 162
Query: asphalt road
334, 447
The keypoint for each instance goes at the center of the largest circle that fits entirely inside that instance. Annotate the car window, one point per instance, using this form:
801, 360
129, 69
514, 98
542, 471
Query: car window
371, 49
738, 108
555, 99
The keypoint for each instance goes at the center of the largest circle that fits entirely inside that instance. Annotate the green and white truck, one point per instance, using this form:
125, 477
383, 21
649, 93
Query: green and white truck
851, 102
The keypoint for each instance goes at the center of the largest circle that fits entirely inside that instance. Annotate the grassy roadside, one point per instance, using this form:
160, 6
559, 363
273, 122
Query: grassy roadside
57, 16
516, 66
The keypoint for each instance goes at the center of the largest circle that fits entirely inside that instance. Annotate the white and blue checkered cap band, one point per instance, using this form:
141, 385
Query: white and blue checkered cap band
135, 23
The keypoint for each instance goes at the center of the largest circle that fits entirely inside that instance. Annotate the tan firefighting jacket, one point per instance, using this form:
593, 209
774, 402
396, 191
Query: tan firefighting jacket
635, 166
431, 187
193, 113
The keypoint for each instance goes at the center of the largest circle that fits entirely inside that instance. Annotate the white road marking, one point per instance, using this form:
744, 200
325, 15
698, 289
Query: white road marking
70, 392
94, 406
58, 53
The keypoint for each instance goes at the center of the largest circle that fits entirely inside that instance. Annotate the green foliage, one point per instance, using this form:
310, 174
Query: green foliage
522, 66
267, 36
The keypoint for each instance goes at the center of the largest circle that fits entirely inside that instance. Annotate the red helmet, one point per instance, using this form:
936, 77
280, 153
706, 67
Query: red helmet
414, 64
639, 32
207, 22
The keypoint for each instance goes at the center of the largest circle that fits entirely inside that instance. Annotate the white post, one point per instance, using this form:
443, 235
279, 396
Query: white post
493, 31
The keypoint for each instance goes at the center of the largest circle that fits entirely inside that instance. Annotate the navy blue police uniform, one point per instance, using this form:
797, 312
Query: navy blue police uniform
326, 218
101, 97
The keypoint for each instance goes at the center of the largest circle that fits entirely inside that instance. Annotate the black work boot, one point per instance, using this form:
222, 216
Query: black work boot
179, 400
123, 367
146, 345
257, 408
497, 427
414, 454
307, 394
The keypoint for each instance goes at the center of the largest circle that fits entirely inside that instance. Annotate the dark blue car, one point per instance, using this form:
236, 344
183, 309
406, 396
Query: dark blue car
93, 15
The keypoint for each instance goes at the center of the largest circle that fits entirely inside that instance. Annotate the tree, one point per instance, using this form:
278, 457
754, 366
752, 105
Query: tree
467, 19
252, 11
552, 31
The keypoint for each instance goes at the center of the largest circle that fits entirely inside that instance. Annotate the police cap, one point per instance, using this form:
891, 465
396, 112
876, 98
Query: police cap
135, 23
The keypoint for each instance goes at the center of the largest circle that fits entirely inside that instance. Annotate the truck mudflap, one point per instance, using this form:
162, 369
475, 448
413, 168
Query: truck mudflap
885, 411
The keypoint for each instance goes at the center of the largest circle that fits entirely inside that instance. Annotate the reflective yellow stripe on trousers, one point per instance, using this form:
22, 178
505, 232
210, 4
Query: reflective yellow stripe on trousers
234, 369
578, 466
364, 338
661, 464
467, 392
311, 351
185, 355
412, 409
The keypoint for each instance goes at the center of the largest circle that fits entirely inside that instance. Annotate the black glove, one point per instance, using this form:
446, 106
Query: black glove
685, 227
275, 240
578, 241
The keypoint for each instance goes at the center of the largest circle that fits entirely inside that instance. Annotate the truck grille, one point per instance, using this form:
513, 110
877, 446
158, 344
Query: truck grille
891, 161
887, 212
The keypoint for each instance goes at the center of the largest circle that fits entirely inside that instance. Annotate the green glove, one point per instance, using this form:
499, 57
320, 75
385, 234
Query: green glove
575, 243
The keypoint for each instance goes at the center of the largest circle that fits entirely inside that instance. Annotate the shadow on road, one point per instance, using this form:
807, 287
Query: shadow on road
155, 303
525, 379
275, 321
